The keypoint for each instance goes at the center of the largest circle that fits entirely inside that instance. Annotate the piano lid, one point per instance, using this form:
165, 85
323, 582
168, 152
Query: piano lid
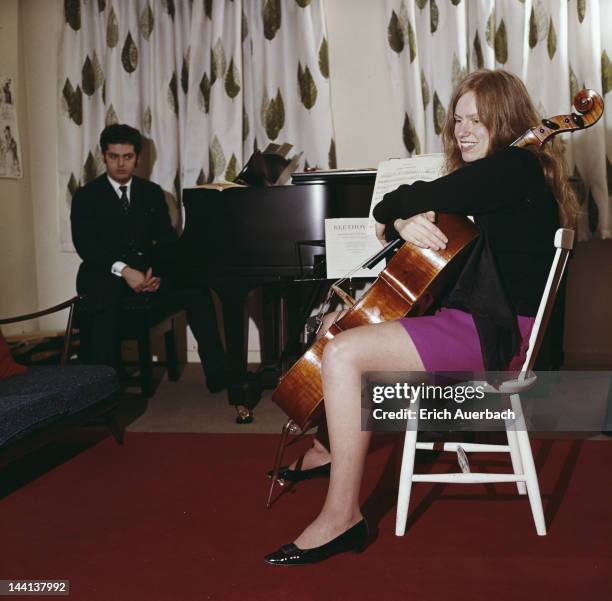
268, 232
334, 176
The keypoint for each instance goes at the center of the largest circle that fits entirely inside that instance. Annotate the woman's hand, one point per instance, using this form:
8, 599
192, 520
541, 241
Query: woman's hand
421, 231
380, 232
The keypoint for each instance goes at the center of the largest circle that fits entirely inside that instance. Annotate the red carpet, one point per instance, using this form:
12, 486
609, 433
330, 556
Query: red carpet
181, 516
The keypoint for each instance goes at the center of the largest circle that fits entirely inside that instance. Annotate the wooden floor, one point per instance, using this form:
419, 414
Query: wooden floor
187, 406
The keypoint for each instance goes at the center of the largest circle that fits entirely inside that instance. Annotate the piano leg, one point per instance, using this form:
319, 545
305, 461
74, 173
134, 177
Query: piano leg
308, 295
274, 334
243, 388
286, 309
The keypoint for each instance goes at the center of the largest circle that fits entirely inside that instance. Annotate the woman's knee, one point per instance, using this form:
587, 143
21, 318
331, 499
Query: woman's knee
374, 347
342, 351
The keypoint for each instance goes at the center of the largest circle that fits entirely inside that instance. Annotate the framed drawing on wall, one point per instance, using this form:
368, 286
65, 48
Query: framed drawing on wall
10, 149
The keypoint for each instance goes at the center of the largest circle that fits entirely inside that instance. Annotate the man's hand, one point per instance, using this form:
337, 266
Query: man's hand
151, 283
133, 278
421, 231
138, 281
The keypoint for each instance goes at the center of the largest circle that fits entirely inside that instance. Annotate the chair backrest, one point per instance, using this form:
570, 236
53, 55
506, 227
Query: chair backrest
564, 242
67, 334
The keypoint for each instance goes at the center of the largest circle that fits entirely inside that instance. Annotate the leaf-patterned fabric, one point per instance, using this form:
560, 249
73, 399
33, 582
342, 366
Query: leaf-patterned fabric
556, 47
205, 81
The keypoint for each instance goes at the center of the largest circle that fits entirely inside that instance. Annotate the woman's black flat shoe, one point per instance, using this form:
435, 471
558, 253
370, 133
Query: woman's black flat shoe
355, 539
298, 474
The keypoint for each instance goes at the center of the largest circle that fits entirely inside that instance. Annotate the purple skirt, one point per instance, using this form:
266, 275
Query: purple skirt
448, 340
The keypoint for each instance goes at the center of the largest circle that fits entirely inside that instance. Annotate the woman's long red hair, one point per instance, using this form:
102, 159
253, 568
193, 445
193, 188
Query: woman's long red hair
506, 110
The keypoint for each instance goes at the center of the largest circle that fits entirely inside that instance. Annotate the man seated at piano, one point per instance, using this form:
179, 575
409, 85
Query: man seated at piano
122, 231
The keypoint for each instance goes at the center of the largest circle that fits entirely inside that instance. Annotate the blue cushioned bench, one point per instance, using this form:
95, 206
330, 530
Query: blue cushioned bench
39, 405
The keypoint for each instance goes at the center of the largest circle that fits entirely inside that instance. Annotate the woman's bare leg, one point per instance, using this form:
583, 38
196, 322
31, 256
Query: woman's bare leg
378, 347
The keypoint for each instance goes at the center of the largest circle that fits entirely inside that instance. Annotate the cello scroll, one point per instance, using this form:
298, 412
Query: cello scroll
587, 102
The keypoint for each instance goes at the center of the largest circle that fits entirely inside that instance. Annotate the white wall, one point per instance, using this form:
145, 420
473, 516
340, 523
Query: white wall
33, 271
18, 278
41, 26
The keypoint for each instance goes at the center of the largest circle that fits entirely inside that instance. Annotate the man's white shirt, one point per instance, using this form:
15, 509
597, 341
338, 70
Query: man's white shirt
118, 266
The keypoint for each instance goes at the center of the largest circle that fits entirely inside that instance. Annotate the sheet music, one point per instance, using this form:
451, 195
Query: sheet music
394, 172
350, 242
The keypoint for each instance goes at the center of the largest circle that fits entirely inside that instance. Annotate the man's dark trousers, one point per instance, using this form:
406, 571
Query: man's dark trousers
100, 336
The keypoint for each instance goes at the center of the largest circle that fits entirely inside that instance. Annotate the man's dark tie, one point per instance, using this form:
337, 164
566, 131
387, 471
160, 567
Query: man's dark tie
125, 203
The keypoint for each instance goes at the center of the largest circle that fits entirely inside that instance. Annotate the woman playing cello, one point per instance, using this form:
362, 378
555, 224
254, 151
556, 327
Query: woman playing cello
518, 197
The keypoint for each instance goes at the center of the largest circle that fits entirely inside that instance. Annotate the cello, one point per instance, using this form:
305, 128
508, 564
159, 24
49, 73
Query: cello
413, 278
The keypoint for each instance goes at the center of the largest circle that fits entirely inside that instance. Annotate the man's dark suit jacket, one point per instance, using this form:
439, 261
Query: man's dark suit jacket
103, 233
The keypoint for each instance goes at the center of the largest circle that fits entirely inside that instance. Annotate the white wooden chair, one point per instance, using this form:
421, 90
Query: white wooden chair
518, 445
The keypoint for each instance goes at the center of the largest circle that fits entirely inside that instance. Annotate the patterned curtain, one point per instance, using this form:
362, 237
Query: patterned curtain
556, 47
205, 81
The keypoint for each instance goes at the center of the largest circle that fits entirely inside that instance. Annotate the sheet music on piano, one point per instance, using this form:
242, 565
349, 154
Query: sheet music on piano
351, 241
395, 172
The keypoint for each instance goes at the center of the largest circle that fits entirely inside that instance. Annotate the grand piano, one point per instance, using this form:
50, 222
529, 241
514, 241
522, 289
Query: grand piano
238, 239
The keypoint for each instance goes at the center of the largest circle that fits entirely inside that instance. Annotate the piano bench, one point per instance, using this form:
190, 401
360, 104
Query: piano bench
143, 318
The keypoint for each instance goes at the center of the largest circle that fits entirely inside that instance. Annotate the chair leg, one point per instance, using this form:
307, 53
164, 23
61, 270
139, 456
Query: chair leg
407, 470
515, 455
531, 476
171, 354
145, 361
289, 427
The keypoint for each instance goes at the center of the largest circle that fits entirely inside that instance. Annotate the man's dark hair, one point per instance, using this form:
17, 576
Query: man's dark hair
120, 133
